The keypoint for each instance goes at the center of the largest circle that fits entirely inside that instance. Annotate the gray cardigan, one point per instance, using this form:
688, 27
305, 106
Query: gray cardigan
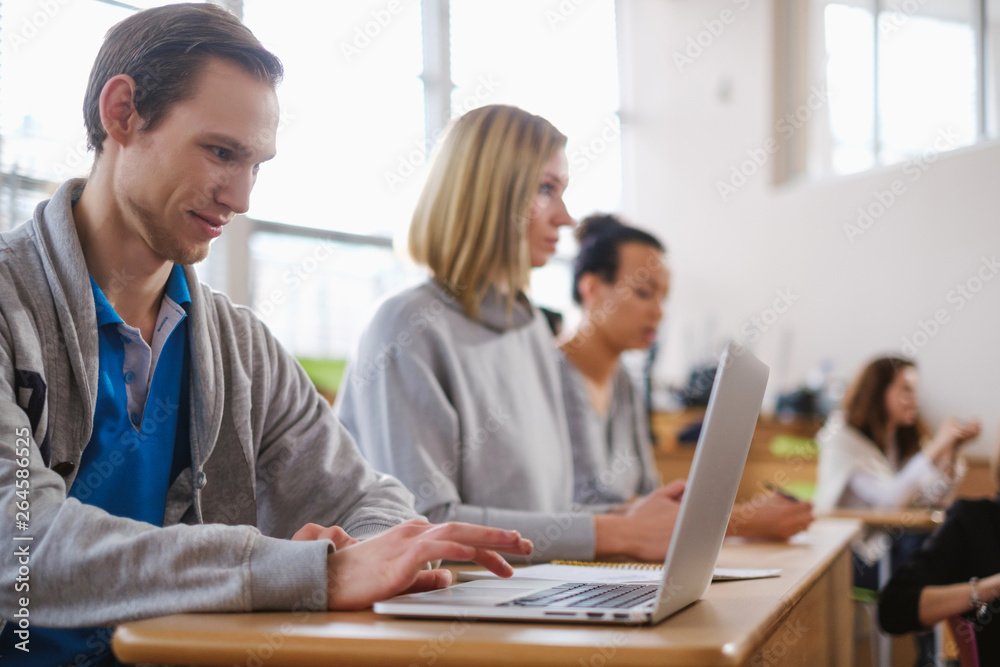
469, 415
267, 456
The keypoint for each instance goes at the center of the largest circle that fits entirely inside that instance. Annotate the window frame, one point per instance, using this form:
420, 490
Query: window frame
793, 62
228, 266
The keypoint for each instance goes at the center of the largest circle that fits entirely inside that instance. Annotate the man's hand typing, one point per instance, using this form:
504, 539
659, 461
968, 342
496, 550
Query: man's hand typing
395, 562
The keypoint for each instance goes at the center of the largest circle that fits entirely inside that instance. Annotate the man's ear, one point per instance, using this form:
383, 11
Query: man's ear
118, 114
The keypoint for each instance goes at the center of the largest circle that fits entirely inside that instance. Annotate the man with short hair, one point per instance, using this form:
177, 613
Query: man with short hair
160, 452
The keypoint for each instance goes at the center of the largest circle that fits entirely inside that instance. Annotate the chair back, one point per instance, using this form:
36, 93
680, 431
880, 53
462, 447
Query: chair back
964, 634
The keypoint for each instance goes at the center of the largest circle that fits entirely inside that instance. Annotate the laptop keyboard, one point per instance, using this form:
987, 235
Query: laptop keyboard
612, 596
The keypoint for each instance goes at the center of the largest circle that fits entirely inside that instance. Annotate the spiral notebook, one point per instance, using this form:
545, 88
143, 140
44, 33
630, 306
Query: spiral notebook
697, 535
610, 573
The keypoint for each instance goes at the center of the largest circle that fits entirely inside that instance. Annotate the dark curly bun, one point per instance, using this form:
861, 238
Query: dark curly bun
600, 235
597, 224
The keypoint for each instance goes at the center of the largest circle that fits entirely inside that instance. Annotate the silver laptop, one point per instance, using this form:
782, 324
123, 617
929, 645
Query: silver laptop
733, 408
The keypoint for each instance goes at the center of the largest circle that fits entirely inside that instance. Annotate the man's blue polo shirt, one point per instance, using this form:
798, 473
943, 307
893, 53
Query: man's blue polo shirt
139, 445
142, 393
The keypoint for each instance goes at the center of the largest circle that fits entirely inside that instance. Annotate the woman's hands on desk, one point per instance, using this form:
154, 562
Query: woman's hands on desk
395, 562
641, 528
771, 516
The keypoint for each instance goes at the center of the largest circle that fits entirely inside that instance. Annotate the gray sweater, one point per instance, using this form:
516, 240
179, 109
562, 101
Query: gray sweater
267, 456
612, 453
468, 414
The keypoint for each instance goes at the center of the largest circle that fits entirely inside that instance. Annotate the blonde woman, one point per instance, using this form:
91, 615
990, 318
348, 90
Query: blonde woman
455, 388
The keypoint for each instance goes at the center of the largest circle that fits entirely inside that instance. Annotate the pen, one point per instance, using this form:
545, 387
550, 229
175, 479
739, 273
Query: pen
781, 492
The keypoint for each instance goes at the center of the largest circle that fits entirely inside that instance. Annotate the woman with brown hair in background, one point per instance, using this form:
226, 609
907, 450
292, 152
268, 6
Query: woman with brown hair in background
875, 454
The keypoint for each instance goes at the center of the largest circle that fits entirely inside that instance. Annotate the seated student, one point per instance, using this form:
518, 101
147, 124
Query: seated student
620, 280
956, 573
159, 446
875, 453
455, 387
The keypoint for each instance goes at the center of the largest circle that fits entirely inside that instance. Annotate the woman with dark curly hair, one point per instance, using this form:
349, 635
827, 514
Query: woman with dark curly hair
621, 280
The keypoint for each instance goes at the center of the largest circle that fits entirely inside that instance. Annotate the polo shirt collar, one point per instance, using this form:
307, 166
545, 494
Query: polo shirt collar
105, 313
177, 287
177, 290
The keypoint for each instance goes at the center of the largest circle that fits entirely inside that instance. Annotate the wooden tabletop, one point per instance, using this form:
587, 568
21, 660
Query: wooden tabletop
911, 519
724, 628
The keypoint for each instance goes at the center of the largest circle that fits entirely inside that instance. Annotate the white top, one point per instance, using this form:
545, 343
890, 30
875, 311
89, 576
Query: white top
613, 452
854, 473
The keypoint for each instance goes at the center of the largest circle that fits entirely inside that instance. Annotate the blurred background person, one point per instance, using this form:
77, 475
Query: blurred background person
957, 573
875, 453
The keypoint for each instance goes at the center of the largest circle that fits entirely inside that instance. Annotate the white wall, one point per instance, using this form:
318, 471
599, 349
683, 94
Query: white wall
684, 131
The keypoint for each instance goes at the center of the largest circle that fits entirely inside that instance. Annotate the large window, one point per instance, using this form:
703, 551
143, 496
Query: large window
316, 294
369, 87
352, 107
884, 82
41, 96
560, 65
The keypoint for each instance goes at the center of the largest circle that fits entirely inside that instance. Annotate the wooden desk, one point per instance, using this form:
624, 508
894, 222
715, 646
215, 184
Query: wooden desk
673, 461
895, 523
802, 617
906, 519
667, 425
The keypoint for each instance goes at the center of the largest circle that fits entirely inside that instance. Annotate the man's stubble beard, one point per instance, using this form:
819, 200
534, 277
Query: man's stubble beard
163, 242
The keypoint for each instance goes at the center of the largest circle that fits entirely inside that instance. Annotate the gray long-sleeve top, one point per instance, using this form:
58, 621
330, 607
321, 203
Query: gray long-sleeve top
469, 415
612, 453
267, 457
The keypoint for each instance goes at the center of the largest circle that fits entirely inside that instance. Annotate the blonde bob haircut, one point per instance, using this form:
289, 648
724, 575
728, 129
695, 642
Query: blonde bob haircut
470, 224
